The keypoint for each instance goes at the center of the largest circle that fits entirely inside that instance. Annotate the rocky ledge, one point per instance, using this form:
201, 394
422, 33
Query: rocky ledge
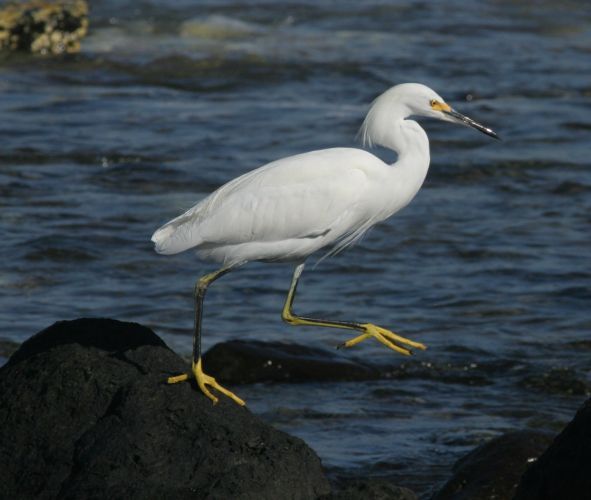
85, 413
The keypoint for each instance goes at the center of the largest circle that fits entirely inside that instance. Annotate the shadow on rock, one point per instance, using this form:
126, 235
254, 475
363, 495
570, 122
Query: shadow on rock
86, 413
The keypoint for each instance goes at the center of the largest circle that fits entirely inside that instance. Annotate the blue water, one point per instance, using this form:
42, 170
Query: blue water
489, 266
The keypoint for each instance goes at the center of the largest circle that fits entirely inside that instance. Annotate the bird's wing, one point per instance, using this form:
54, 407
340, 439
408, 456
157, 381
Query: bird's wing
288, 210
303, 196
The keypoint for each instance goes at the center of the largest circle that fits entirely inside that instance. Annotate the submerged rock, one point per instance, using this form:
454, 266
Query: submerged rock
564, 469
243, 362
44, 27
558, 381
85, 412
492, 470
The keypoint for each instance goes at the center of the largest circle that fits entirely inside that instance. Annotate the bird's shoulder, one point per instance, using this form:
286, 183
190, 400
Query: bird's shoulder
331, 159
322, 165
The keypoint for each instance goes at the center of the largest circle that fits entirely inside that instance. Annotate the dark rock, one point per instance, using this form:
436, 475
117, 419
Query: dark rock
42, 26
564, 469
85, 412
241, 362
372, 489
492, 470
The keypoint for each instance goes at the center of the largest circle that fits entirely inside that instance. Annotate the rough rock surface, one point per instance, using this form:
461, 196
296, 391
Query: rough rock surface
242, 362
372, 489
492, 470
44, 27
564, 469
85, 413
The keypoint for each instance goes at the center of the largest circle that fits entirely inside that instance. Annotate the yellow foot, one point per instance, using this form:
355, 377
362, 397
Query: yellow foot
386, 337
202, 381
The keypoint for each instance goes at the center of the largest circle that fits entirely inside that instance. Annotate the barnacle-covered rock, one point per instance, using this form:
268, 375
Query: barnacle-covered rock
43, 27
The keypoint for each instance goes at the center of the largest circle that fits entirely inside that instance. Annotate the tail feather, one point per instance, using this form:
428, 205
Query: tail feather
174, 237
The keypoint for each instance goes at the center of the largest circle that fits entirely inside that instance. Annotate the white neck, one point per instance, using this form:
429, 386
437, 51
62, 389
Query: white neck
410, 142
387, 125
408, 173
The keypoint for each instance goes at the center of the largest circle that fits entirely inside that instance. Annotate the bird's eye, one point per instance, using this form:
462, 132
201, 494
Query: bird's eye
433, 102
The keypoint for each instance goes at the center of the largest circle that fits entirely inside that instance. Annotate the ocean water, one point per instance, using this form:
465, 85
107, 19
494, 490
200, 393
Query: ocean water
489, 266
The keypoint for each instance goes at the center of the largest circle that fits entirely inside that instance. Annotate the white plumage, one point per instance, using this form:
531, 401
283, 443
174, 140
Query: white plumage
285, 210
290, 208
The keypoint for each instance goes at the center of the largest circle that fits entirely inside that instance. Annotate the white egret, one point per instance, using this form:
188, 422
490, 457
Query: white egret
290, 208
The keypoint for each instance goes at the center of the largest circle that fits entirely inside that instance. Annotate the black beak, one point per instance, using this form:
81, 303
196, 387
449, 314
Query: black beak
464, 120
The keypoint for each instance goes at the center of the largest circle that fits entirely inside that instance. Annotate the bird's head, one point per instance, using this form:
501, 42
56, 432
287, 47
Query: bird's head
413, 99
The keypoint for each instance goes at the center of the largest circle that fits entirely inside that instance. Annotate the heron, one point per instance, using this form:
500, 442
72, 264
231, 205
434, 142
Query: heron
293, 207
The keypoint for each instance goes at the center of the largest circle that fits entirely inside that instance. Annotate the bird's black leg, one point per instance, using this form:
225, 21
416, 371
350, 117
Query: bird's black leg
196, 366
368, 330
199, 294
